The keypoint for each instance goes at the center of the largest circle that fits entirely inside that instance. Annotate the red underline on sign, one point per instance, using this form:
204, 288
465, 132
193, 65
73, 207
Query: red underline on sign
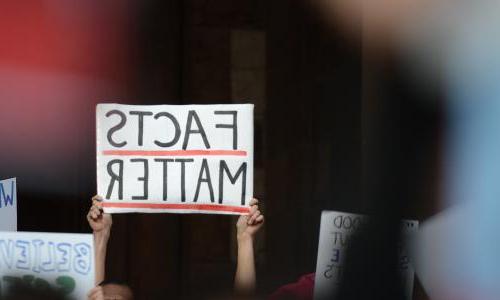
175, 152
178, 206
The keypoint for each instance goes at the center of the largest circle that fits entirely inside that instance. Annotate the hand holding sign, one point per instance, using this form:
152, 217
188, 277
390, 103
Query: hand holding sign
175, 158
248, 225
98, 220
100, 223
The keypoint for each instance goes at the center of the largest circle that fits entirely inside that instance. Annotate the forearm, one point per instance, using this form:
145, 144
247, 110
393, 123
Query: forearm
245, 279
100, 246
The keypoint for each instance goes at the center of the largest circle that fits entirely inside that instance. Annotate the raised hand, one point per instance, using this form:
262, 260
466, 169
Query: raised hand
248, 225
99, 221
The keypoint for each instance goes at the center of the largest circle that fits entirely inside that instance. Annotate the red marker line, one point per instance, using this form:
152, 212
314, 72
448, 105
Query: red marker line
174, 206
175, 152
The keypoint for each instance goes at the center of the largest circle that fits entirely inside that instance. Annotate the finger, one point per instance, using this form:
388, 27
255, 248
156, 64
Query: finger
259, 219
242, 218
90, 217
89, 214
254, 201
97, 201
254, 205
97, 204
97, 210
253, 209
95, 214
254, 216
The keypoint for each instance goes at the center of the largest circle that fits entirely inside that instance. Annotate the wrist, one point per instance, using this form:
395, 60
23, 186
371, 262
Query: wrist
244, 238
101, 236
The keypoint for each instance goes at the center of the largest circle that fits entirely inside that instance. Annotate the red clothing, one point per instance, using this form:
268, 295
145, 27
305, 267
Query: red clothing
302, 289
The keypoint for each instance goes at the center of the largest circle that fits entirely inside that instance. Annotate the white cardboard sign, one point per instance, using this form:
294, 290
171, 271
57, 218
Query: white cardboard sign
175, 158
336, 230
64, 261
8, 205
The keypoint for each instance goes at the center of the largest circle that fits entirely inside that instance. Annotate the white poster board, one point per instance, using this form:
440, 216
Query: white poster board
336, 230
62, 260
8, 205
175, 158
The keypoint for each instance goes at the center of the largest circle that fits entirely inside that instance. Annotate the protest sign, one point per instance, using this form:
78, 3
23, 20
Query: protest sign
62, 260
8, 205
336, 230
175, 158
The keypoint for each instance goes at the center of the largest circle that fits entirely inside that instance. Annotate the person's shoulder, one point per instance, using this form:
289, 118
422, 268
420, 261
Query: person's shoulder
302, 289
308, 278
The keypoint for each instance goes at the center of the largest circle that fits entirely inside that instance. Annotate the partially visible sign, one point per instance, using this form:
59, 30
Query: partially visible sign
62, 260
8, 205
336, 230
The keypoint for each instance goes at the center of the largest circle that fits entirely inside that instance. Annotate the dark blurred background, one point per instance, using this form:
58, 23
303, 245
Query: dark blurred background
313, 117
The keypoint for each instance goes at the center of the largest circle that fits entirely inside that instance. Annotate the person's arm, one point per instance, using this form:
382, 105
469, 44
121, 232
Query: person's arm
101, 227
247, 227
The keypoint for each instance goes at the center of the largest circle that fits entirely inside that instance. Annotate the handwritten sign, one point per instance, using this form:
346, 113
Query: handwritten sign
8, 205
62, 260
337, 228
175, 158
